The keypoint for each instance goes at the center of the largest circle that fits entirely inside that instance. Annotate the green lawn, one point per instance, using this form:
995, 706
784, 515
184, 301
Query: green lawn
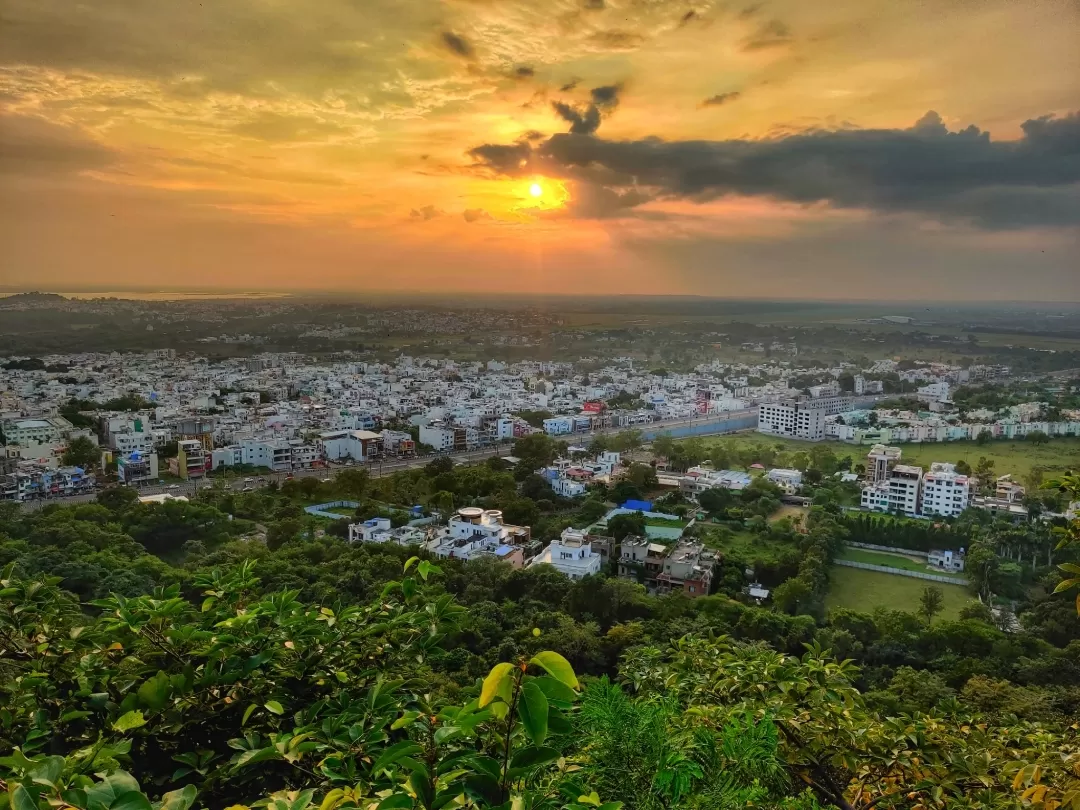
905, 563
1016, 457
865, 590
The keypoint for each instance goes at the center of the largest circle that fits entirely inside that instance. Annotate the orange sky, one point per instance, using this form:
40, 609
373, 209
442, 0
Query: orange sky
285, 145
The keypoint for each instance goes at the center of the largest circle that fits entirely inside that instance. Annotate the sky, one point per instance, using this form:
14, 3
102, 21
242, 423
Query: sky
839, 149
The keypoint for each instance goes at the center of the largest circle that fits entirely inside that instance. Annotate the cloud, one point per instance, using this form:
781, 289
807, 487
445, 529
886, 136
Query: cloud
721, 98
925, 170
616, 40
584, 121
524, 72
606, 97
458, 45
593, 5
30, 146
474, 214
768, 35
426, 213
570, 85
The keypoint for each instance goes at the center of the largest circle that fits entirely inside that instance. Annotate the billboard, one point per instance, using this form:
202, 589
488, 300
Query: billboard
594, 406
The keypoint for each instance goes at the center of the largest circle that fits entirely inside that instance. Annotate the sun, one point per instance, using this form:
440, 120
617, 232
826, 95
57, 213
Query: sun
536, 189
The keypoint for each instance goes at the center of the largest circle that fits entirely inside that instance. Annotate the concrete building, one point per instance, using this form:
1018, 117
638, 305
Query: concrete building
570, 555
473, 532
788, 480
945, 492
879, 461
136, 467
190, 459
897, 494
946, 560
35, 431
688, 567
793, 419
642, 560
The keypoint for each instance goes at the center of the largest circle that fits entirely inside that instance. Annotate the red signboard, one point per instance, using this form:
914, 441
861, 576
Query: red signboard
593, 407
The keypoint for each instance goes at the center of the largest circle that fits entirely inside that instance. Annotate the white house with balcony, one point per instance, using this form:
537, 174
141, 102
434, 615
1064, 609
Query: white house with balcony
570, 555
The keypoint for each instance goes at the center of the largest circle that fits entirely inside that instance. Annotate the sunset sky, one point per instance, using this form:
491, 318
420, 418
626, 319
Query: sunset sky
918, 149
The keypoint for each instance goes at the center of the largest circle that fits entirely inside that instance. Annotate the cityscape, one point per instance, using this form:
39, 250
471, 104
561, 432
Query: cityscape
540, 405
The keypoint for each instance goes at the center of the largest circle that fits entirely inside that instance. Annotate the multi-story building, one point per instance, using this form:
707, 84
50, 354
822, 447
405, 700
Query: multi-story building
190, 459
642, 560
688, 567
473, 532
898, 493
945, 492
358, 445
570, 555
879, 461
946, 560
794, 419
45, 430
135, 467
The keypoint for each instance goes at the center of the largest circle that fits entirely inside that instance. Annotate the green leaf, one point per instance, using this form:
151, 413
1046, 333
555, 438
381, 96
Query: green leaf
257, 755
397, 751
399, 801
126, 722
534, 711
132, 800
247, 714
21, 798
155, 692
1065, 584
409, 563
557, 667
555, 690
1072, 568
531, 757
274, 707
494, 680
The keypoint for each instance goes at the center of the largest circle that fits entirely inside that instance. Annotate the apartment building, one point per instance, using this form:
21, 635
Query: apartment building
879, 461
46, 430
136, 467
897, 494
945, 492
642, 560
570, 555
793, 419
190, 459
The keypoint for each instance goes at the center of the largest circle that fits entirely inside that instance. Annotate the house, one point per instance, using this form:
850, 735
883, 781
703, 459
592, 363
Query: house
571, 555
945, 492
946, 560
642, 560
378, 530
472, 533
688, 568
788, 480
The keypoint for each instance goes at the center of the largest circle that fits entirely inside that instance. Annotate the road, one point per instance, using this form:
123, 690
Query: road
390, 466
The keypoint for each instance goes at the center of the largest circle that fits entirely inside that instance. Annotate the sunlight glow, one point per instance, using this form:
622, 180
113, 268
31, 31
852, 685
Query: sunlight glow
536, 189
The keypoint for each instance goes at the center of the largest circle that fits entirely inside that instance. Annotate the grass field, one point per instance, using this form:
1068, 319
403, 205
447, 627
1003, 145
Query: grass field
1019, 458
856, 589
901, 561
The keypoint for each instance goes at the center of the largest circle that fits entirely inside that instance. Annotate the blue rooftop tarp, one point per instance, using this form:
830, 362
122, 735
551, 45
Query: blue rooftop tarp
638, 506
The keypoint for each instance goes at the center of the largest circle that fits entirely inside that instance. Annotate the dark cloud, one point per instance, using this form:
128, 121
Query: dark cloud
721, 98
570, 85
593, 5
768, 35
458, 44
426, 213
617, 40
474, 214
687, 17
532, 135
924, 170
583, 121
524, 72
606, 97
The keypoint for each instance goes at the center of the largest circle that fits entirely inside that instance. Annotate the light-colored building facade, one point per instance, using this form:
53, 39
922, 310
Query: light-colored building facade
570, 555
945, 492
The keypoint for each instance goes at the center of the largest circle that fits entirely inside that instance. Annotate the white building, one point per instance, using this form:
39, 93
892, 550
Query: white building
793, 419
898, 494
946, 560
945, 492
571, 555
567, 487
787, 480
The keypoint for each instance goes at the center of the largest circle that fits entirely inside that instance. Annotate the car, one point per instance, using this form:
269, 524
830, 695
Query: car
173, 486
248, 489
249, 480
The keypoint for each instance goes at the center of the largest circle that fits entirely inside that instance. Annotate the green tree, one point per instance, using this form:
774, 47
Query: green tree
626, 524
1037, 437
931, 602
82, 452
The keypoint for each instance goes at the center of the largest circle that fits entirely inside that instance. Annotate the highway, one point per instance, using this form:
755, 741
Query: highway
721, 422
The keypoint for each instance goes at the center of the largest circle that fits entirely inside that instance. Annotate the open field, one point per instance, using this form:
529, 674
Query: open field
902, 561
789, 511
1016, 457
856, 589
